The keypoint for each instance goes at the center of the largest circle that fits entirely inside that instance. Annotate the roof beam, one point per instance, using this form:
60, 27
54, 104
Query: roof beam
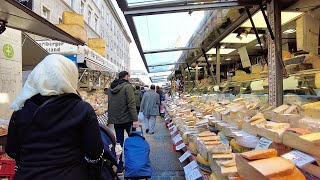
169, 50
168, 64
181, 8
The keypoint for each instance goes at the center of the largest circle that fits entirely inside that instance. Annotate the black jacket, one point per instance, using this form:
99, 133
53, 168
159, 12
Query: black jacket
54, 143
122, 103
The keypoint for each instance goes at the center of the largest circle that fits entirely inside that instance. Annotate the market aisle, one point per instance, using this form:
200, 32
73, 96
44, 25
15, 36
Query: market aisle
165, 163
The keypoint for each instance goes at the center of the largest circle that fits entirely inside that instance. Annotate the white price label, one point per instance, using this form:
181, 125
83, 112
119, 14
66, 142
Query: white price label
171, 127
185, 156
170, 124
189, 167
299, 158
180, 146
177, 138
263, 144
194, 174
173, 131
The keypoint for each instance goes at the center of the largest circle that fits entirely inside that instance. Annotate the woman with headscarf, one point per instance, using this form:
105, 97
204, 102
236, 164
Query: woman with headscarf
53, 133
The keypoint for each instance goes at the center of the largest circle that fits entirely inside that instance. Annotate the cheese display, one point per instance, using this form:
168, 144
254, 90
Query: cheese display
312, 110
101, 51
71, 18
259, 154
74, 30
96, 43
203, 164
317, 80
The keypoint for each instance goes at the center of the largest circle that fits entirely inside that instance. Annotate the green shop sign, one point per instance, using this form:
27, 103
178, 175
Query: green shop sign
8, 51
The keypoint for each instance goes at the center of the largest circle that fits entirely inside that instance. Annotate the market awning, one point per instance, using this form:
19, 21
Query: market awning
17, 16
164, 30
32, 53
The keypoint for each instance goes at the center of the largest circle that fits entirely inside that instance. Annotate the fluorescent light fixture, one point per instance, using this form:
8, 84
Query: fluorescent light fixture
232, 38
259, 21
222, 51
228, 59
289, 31
223, 46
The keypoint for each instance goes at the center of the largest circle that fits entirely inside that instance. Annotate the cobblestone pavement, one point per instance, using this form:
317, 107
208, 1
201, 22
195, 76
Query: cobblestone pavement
164, 160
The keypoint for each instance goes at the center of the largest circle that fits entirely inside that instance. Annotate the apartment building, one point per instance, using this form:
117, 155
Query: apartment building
101, 20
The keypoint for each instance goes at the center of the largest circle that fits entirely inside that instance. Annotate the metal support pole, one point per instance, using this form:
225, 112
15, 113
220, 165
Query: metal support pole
205, 71
218, 64
274, 55
197, 73
190, 74
208, 64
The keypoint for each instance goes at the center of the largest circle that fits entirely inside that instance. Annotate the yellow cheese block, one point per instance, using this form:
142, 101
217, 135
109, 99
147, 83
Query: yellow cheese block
101, 51
312, 110
259, 121
72, 18
228, 163
240, 73
317, 80
259, 154
96, 43
281, 109
222, 156
75, 31
277, 126
257, 117
256, 68
313, 137
206, 133
230, 171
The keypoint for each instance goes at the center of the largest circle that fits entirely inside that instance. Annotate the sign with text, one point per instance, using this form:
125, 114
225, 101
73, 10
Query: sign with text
177, 138
299, 158
263, 144
180, 146
185, 156
189, 167
194, 174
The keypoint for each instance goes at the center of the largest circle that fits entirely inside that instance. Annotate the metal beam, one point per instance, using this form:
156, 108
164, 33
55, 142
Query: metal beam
168, 64
169, 50
218, 64
146, 10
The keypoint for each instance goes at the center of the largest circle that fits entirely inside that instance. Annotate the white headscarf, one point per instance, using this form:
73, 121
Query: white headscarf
54, 75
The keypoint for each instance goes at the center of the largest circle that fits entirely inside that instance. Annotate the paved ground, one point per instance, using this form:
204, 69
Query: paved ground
164, 160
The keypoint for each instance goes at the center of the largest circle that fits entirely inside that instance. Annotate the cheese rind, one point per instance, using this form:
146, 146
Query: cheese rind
259, 154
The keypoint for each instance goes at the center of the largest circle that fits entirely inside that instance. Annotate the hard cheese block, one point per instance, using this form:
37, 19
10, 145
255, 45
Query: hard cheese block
317, 80
74, 30
96, 43
101, 51
312, 110
313, 137
259, 154
71, 18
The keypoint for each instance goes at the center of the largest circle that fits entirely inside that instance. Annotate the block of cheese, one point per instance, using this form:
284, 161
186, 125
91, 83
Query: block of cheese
257, 117
256, 68
299, 131
277, 126
259, 121
312, 110
75, 31
209, 138
203, 164
230, 171
314, 60
313, 138
212, 143
286, 55
228, 163
96, 43
222, 156
295, 141
71, 18
259, 154
317, 80
101, 51
206, 133
293, 109
281, 109
221, 149
240, 73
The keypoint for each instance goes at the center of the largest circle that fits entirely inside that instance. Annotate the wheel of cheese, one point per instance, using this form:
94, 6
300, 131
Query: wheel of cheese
192, 148
236, 148
185, 138
203, 164
213, 177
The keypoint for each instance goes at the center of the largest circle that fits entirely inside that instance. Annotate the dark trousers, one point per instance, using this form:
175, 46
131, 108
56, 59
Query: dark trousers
138, 109
120, 128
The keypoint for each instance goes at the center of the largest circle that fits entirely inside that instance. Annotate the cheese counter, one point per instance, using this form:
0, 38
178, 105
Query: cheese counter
244, 138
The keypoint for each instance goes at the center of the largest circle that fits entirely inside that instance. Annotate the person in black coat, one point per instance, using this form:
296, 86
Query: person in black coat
54, 134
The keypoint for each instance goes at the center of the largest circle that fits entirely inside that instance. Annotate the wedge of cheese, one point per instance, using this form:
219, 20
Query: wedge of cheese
257, 117
230, 171
212, 143
260, 121
71, 18
206, 133
281, 109
228, 163
222, 156
274, 167
209, 138
312, 110
293, 109
259, 154
299, 131
277, 126
74, 30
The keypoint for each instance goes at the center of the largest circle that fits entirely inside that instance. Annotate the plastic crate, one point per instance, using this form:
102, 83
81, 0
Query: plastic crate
3, 143
7, 167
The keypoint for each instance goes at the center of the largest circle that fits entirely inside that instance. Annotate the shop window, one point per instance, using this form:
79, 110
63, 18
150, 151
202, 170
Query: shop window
107, 17
102, 33
96, 23
82, 7
89, 16
72, 4
45, 13
102, 12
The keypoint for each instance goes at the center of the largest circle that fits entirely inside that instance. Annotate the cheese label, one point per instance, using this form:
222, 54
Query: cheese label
185, 156
263, 143
170, 124
299, 158
171, 127
189, 167
180, 146
194, 174
177, 138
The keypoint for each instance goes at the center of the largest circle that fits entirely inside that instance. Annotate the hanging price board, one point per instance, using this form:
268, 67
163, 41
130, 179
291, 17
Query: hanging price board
185, 156
177, 138
180, 146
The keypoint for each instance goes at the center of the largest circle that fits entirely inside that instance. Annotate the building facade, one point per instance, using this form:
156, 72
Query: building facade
101, 20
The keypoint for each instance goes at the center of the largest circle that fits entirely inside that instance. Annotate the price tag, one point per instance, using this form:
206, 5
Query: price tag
299, 158
170, 124
182, 145
263, 144
177, 138
171, 127
185, 156
174, 130
189, 167
194, 174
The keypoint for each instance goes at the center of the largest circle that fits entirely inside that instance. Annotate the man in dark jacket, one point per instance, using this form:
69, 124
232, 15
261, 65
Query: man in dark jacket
122, 110
138, 97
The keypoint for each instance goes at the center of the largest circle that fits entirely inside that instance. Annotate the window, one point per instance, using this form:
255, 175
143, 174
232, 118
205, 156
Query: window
96, 23
82, 7
45, 13
72, 4
102, 33
89, 15
102, 12
107, 17
111, 25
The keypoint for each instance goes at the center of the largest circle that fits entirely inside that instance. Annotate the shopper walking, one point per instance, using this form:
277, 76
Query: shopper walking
138, 96
53, 133
150, 108
122, 110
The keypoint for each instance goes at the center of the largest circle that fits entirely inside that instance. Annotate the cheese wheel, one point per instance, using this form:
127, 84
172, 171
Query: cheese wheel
206, 133
259, 121
313, 137
213, 177
238, 148
274, 167
259, 154
296, 175
203, 164
192, 148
